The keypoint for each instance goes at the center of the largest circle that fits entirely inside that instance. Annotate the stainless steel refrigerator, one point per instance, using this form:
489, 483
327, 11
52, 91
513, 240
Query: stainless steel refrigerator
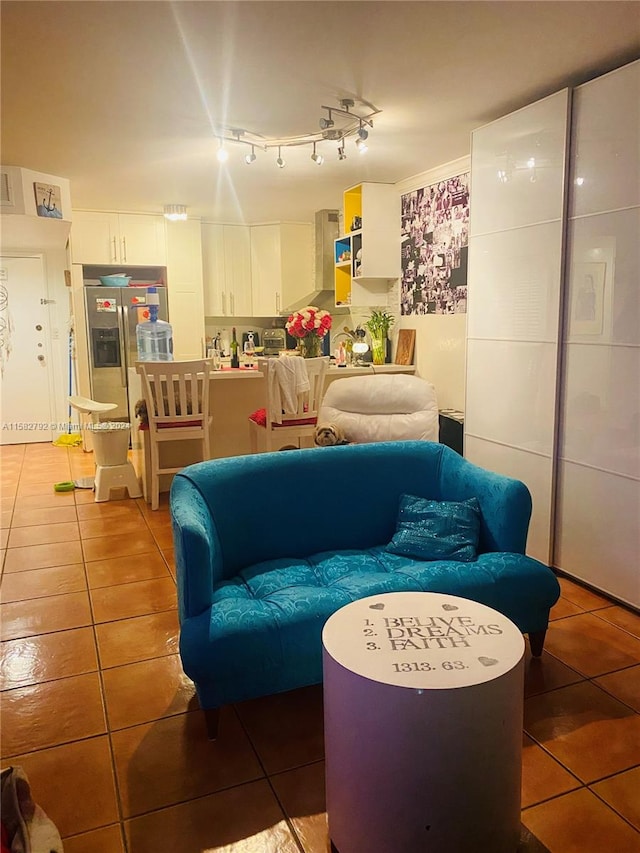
112, 316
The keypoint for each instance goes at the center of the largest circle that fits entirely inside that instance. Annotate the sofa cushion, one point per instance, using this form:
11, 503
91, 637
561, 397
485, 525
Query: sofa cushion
437, 530
278, 594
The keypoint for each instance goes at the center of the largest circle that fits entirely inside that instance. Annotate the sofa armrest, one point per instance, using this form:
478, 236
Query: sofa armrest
197, 548
505, 503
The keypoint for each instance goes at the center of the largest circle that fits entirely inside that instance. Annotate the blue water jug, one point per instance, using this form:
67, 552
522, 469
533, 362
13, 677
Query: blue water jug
154, 337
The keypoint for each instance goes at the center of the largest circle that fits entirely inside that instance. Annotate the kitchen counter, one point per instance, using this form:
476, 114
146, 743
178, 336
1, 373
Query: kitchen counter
234, 394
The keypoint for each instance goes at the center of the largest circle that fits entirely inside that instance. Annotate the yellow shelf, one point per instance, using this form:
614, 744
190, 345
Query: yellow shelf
352, 200
343, 283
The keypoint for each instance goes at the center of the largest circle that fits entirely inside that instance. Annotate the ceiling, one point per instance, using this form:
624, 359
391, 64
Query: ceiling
124, 98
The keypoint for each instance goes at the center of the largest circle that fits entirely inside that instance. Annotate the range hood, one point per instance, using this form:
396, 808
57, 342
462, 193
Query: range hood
323, 295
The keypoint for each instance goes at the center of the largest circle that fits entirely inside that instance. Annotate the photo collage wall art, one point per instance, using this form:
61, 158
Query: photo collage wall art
435, 241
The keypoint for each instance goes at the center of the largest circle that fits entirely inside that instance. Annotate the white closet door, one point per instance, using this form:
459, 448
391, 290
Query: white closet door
598, 507
515, 273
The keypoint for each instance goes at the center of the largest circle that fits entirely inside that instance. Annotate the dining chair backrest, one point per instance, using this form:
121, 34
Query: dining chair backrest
176, 395
290, 415
176, 392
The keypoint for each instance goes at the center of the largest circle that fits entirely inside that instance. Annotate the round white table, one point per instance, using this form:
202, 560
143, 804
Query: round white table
423, 700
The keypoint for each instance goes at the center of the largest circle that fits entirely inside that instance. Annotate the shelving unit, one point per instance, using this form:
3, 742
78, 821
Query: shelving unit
367, 258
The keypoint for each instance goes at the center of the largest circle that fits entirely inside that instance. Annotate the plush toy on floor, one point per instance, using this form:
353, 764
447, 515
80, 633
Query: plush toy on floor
329, 435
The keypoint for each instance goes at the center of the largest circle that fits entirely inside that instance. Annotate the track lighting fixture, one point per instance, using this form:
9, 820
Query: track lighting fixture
222, 154
326, 122
339, 123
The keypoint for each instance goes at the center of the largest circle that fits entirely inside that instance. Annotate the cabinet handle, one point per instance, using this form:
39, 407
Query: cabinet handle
224, 304
114, 257
124, 250
232, 301
278, 303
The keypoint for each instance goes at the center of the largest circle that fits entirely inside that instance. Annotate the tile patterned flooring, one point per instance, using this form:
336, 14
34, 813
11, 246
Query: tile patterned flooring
97, 710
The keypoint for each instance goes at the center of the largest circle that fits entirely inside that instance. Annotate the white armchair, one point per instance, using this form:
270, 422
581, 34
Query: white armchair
383, 407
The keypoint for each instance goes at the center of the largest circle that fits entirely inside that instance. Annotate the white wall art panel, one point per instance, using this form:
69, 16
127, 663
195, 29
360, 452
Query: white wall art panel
519, 274
598, 516
511, 394
534, 471
606, 142
517, 167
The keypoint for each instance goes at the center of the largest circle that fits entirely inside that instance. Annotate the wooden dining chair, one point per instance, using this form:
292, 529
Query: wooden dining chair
279, 424
176, 394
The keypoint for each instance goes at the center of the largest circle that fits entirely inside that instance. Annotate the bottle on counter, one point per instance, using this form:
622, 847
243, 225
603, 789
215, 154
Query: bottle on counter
249, 348
154, 337
235, 359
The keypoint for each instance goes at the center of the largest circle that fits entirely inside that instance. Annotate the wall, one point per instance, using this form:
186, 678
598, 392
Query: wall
440, 339
26, 234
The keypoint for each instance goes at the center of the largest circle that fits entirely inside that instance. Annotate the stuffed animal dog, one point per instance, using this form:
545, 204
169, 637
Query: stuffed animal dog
329, 435
141, 412
141, 408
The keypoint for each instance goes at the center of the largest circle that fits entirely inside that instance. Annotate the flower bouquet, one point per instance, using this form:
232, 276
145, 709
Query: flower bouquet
309, 325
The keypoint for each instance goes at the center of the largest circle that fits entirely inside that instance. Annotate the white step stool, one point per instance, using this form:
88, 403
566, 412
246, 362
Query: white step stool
110, 446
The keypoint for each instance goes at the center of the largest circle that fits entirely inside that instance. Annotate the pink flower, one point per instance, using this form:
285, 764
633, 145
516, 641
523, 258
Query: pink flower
309, 321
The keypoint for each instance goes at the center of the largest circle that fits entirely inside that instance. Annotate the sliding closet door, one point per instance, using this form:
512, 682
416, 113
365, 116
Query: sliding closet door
598, 510
515, 271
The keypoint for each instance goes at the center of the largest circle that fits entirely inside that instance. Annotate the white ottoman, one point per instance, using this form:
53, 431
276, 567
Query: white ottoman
423, 698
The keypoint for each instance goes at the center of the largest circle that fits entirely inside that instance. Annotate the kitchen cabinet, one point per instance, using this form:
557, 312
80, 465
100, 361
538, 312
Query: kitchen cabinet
185, 289
281, 265
226, 256
367, 257
99, 237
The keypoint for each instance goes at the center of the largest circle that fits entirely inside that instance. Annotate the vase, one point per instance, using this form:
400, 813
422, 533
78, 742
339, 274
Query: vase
378, 349
310, 346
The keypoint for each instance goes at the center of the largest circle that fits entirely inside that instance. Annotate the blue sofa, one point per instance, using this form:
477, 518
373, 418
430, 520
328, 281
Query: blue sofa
267, 547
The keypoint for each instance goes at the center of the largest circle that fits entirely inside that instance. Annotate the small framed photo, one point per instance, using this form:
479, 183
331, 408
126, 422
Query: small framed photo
48, 200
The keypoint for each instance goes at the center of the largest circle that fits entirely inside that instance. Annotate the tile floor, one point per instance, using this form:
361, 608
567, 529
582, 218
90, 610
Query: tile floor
96, 708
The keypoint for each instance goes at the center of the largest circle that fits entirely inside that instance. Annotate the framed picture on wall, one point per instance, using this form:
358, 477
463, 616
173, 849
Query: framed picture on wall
48, 200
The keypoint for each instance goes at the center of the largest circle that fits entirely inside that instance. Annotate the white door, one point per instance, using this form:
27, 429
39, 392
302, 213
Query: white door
25, 393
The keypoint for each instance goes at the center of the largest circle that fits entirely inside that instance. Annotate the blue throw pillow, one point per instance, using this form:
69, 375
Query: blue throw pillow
437, 530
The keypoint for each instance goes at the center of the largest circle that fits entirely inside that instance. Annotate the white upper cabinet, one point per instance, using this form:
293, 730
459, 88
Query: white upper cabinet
213, 269
281, 265
118, 238
226, 256
185, 288
237, 264
367, 256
